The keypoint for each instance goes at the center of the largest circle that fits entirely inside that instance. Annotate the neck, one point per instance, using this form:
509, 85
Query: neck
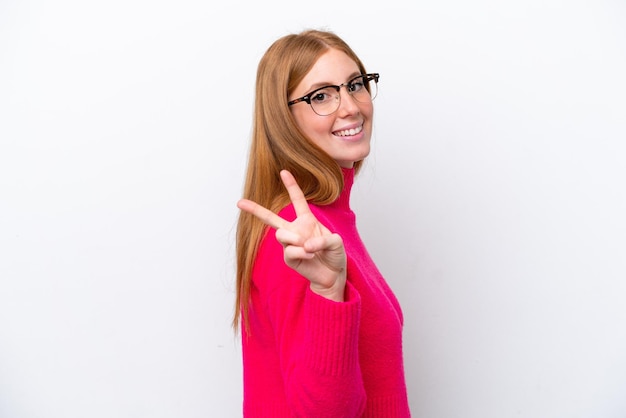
343, 201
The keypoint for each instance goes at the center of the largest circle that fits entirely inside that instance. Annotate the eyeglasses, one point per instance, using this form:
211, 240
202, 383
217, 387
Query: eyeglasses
325, 100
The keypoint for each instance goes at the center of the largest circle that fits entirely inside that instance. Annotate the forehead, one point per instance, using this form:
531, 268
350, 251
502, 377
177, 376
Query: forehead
333, 67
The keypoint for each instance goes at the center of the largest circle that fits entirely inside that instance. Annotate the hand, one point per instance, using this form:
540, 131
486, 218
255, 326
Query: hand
309, 247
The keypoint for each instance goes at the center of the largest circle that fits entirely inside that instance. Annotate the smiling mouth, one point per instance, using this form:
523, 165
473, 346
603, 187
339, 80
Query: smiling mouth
349, 132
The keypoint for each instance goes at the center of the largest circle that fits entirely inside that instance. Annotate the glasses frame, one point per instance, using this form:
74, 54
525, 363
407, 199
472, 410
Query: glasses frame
307, 98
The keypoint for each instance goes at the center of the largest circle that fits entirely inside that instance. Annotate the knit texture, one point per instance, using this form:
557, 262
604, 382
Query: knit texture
307, 356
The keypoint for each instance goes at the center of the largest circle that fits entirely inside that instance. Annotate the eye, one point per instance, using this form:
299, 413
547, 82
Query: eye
356, 84
323, 95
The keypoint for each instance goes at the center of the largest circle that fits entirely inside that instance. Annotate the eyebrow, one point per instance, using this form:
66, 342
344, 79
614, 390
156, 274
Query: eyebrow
328, 83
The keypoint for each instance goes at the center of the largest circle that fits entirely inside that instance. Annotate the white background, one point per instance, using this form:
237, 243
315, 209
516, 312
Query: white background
494, 200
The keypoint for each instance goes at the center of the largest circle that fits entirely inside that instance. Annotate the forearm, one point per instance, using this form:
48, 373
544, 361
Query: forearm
320, 359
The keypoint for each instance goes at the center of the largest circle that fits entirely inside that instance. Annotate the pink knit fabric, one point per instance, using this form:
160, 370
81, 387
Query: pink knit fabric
307, 356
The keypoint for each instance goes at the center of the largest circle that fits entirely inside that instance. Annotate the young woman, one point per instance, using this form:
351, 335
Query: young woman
322, 330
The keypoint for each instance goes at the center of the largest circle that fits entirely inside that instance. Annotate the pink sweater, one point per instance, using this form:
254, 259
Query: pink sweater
307, 356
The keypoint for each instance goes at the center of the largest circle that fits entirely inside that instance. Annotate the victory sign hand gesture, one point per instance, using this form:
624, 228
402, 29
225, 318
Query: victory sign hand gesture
309, 247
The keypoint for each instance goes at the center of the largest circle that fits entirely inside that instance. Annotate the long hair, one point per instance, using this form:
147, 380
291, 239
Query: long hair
278, 143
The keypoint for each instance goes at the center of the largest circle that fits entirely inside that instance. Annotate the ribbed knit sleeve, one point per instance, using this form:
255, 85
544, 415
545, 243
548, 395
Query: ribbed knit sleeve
332, 333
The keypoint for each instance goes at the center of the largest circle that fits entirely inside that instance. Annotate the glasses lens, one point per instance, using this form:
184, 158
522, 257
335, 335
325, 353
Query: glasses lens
364, 88
325, 101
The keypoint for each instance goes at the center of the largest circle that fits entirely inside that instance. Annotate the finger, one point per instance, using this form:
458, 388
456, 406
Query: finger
287, 237
295, 193
267, 216
293, 255
323, 243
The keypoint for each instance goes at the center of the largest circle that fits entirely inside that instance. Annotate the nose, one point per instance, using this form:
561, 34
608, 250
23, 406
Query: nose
347, 104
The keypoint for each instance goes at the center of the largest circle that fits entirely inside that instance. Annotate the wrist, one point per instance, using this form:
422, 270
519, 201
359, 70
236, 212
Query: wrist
335, 293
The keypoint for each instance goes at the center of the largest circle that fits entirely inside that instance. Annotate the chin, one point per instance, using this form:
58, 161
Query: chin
349, 162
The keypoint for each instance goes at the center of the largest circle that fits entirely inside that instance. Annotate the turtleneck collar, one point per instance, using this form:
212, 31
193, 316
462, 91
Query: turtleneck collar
343, 201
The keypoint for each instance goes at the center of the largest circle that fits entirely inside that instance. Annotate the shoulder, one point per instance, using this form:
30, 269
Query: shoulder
322, 213
288, 213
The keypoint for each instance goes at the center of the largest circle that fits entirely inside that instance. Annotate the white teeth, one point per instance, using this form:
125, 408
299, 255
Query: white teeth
349, 132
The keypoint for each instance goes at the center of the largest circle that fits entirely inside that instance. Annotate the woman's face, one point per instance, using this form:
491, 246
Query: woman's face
345, 134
